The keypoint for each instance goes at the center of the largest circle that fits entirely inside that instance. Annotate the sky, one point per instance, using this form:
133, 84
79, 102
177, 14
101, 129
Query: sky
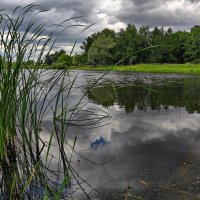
114, 14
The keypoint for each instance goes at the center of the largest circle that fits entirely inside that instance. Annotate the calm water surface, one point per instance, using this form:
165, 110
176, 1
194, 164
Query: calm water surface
150, 147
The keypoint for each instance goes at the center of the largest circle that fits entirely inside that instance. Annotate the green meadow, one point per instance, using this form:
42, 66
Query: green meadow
187, 68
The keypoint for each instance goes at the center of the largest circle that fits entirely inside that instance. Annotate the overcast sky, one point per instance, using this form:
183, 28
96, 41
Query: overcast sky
114, 14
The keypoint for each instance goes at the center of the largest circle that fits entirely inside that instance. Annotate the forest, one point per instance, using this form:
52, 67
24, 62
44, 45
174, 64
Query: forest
131, 46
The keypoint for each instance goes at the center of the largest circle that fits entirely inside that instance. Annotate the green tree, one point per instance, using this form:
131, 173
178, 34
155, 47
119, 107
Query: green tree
99, 52
178, 41
79, 59
90, 40
126, 45
157, 36
63, 60
144, 41
51, 58
192, 44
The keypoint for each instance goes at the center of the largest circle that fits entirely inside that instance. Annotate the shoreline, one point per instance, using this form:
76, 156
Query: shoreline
187, 68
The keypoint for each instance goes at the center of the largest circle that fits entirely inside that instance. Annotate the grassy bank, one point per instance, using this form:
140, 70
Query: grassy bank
154, 68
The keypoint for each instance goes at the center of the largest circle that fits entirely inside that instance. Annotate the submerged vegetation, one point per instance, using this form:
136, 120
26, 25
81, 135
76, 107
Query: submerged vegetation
29, 169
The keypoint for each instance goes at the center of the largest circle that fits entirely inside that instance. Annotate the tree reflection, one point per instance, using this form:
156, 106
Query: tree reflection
184, 93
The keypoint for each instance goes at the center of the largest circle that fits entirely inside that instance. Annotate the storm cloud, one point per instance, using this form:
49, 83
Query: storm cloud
114, 14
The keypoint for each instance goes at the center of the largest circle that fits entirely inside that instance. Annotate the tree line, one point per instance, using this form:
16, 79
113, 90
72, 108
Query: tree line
131, 46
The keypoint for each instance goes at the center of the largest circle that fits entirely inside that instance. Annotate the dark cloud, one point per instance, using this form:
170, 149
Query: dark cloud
160, 13
180, 14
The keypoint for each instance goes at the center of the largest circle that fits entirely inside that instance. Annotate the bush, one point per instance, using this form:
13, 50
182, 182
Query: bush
197, 61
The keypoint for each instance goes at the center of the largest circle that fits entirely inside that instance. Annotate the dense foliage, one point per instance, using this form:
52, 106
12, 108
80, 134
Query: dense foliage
131, 46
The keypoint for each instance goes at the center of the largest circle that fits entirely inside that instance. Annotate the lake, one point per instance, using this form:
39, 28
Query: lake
138, 136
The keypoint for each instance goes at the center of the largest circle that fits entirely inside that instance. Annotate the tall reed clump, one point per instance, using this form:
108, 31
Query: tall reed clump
27, 96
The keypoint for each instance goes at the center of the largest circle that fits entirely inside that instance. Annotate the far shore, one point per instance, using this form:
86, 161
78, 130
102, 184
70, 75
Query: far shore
186, 68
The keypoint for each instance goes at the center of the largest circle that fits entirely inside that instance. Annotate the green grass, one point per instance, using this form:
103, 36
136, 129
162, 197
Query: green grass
187, 68
28, 96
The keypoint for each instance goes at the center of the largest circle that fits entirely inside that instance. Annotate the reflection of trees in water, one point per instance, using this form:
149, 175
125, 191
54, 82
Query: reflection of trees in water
182, 93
